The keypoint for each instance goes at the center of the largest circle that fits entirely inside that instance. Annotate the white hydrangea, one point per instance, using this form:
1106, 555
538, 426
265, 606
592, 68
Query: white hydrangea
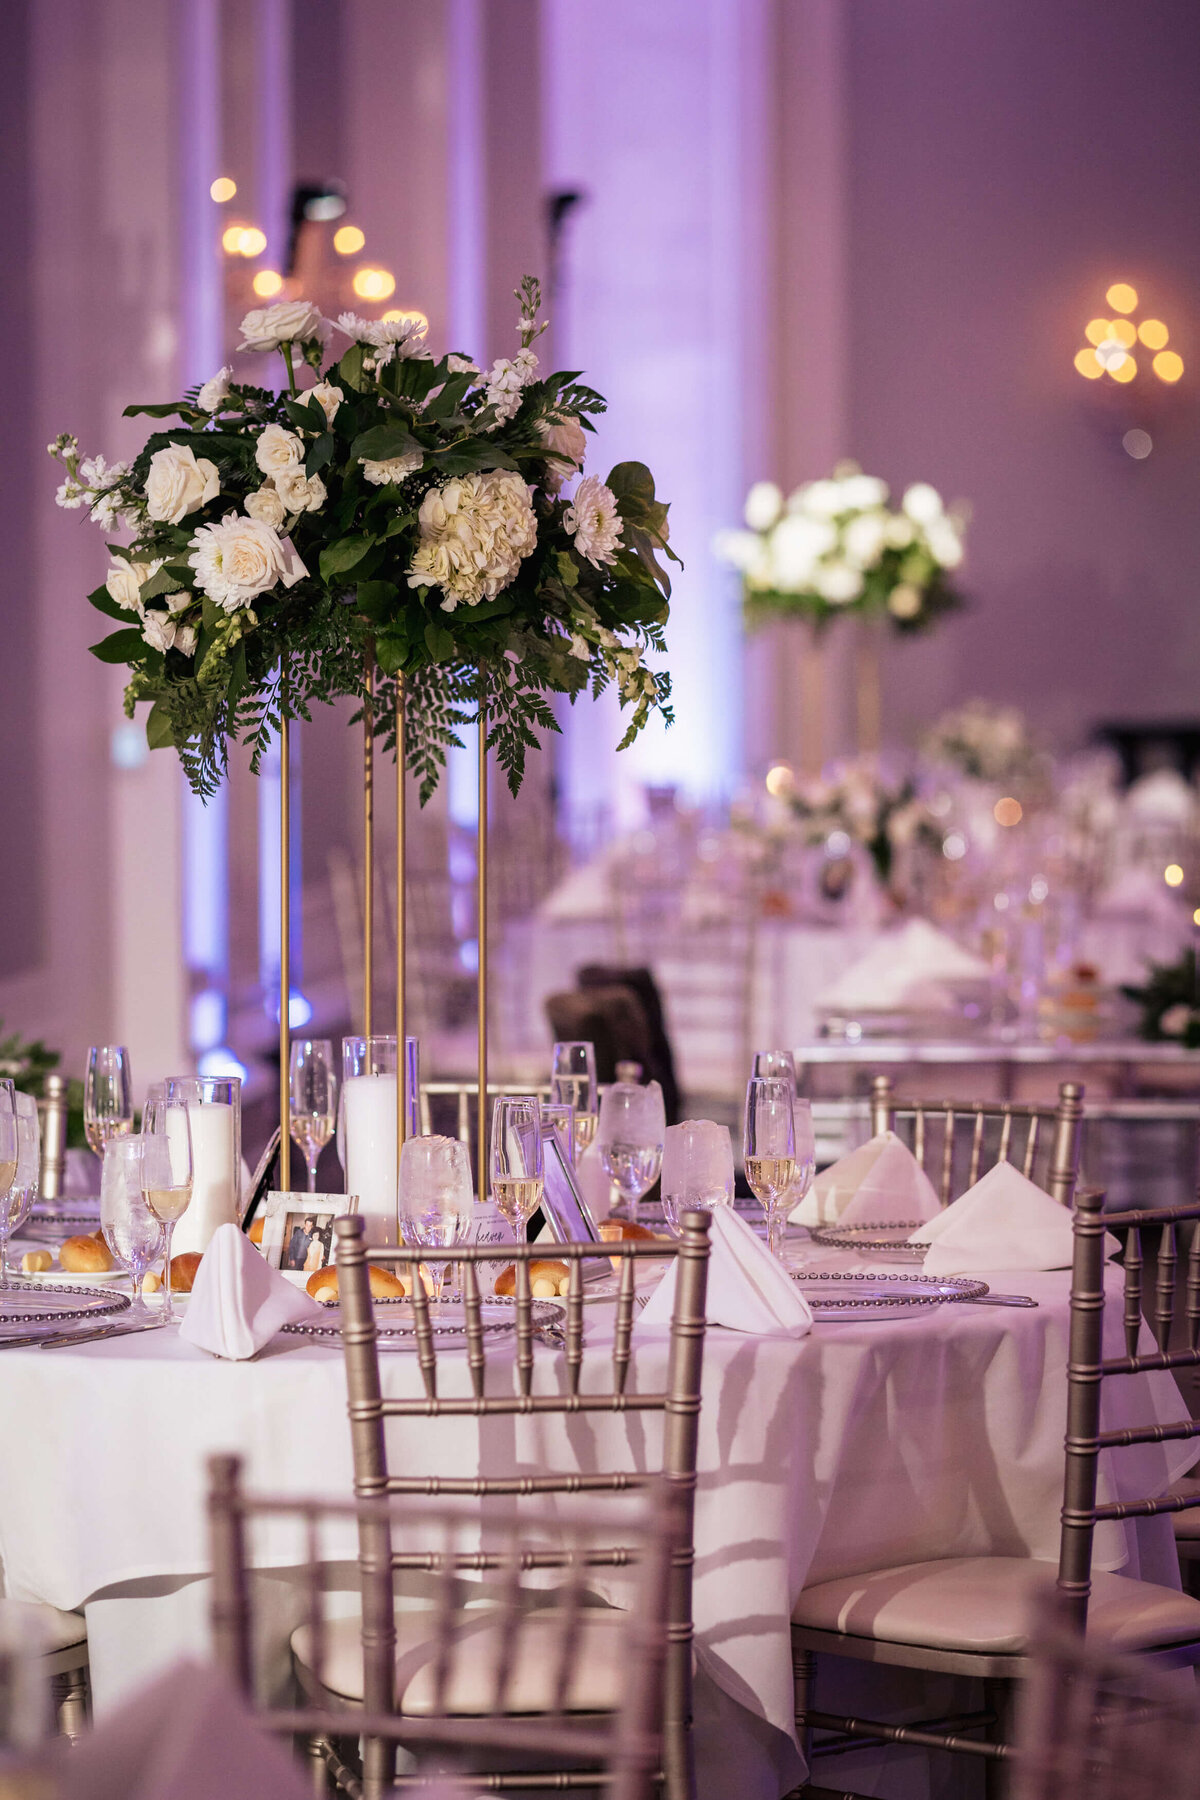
393, 468
505, 382
474, 532
594, 522
237, 559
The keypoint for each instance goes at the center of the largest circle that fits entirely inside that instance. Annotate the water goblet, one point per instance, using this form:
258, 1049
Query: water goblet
16, 1201
435, 1202
167, 1174
697, 1169
630, 1135
518, 1163
770, 1149
107, 1096
573, 1083
131, 1230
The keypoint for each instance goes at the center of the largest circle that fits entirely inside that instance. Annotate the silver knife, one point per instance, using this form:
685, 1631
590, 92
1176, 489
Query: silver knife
63, 1338
999, 1300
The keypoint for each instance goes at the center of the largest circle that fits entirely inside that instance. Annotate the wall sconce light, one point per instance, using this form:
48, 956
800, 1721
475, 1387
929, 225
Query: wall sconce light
1112, 342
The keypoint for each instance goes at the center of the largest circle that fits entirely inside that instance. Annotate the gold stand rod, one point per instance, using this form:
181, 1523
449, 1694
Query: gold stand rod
812, 704
368, 843
868, 689
401, 884
481, 926
285, 942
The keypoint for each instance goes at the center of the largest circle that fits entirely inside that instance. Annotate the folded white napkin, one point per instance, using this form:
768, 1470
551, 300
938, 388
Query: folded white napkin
1003, 1222
748, 1289
880, 1183
915, 966
238, 1301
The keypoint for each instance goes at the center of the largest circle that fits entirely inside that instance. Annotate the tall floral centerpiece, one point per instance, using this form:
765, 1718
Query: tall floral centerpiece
412, 531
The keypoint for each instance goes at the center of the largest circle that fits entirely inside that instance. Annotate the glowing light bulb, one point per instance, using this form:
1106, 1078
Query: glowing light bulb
1124, 333
1087, 362
348, 240
1173, 875
1008, 811
231, 240
779, 780
253, 241
1125, 370
374, 284
1153, 334
266, 283
223, 189
1168, 366
1121, 297
1096, 330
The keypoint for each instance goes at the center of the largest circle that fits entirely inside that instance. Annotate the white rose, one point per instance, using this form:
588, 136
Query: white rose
238, 559
124, 580
215, 389
185, 639
177, 484
392, 468
277, 449
298, 491
922, 503
265, 504
159, 630
1175, 1021
327, 397
764, 503
899, 531
567, 440
287, 322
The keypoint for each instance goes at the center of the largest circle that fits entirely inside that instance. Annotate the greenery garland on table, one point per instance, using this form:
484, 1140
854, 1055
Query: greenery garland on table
401, 513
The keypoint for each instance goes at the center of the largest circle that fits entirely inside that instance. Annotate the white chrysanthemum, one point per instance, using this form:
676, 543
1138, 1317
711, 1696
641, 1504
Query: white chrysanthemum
764, 503
238, 559
387, 338
298, 491
566, 439
287, 322
264, 504
215, 389
177, 483
506, 380
393, 468
277, 448
837, 582
327, 397
475, 530
594, 522
922, 503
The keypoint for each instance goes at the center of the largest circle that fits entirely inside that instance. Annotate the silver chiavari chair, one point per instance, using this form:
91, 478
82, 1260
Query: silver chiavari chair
956, 1141
504, 1679
605, 1387
968, 1615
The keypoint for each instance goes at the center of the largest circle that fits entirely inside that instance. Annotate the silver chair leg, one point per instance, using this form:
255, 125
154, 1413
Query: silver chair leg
314, 1754
72, 1704
804, 1675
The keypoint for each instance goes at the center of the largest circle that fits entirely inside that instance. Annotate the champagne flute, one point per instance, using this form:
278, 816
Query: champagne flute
435, 1203
107, 1096
630, 1134
573, 1083
770, 1149
14, 1156
774, 1063
167, 1174
561, 1119
697, 1169
518, 1168
132, 1232
314, 1086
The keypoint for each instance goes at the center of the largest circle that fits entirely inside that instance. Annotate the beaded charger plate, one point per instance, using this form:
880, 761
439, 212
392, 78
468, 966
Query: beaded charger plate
26, 1303
874, 1234
875, 1295
396, 1324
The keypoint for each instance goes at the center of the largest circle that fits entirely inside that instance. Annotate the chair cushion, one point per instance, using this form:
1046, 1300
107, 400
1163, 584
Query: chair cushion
596, 1686
55, 1631
981, 1604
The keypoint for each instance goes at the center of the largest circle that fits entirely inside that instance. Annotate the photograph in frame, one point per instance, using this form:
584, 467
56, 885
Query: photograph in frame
298, 1229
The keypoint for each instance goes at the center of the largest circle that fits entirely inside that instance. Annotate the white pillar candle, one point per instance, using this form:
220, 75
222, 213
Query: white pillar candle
214, 1174
369, 1115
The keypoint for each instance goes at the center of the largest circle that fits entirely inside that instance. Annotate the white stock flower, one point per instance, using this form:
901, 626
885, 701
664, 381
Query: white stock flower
865, 538
764, 503
837, 582
922, 503
237, 559
124, 579
178, 484
215, 389
69, 495
287, 322
298, 491
327, 397
506, 380
265, 505
475, 530
277, 449
594, 522
566, 441
392, 468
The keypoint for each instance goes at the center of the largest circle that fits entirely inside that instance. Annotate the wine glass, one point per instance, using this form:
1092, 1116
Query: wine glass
697, 1169
630, 1134
770, 1063
166, 1142
517, 1158
561, 1118
107, 1096
20, 1153
806, 1152
573, 1083
435, 1204
131, 1230
314, 1086
770, 1149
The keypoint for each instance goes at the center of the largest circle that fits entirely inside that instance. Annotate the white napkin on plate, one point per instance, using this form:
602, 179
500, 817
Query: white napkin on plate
880, 1183
238, 1301
915, 966
1003, 1222
748, 1289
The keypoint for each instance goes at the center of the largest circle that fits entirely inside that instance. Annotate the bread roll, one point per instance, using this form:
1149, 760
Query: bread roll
36, 1262
183, 1270
151, 1283
322, 1284
548, 1280
84, 1256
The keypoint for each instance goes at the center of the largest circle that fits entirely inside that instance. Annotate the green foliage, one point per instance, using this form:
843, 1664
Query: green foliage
26, 1063
1169, 1000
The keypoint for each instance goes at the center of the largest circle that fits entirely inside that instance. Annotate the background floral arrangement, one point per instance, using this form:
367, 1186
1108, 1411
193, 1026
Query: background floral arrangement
1169, 1002
834, 547
26, 1062
982, 741
867, 806
401, 512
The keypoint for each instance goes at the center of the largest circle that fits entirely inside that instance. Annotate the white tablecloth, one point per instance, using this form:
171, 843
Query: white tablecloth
860, 1445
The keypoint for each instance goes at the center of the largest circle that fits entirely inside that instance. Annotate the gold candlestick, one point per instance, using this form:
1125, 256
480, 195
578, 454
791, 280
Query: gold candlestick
368, 843
482, 916
285, 940
401, 872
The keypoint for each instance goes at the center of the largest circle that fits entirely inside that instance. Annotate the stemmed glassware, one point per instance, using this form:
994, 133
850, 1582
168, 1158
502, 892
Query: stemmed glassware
518, 1166
20, 1146
107, 1096
697, 1169
573, 1083
781, 1063
775, 1062
435, 1198
770, 1149
167, 1171
314, 1088
561, 1118
133, 1233
631, 1131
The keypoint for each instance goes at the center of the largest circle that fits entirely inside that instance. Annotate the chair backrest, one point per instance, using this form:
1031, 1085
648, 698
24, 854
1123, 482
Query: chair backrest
1151, 1270
498, 1677
956, 1141
678, 1401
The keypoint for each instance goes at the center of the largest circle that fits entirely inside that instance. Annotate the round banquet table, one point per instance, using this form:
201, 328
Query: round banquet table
863, 1444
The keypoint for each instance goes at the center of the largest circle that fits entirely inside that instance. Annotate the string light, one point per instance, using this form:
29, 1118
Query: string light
348, 240
394, 314
1173, 875
1167, 366
1153, 334
224, 188
1111, 340
374, 284
1008, 811
1121, 297
779, 780
266, 283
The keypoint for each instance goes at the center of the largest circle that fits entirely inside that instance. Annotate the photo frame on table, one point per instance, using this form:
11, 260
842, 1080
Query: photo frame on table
566, 1213
298, 1229
265, 1171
